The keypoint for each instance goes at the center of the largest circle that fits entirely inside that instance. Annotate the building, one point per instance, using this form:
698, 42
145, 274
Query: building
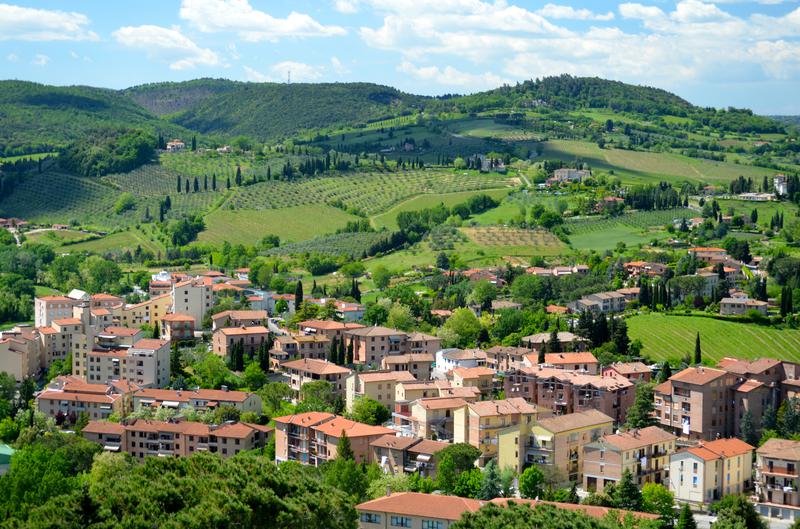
645, 268
633, 371
480, 423
423, 343
436, 511
780, 183
377, 385
502, 358
199, 399
566, 341
600, 303
68, 397
400, 455
579, 362
308, 370
145, 364
776, 481
705, 473
372, 344
177, 327
251, 339
571, 175
175, 145
644, 452
566, 392
741, 306
194, 297
481, 378
418, 364
287, 347
434, 417
557, 442
238, 318
312, 438
697, 403
331, 329
20, 354
141, 438
449, 359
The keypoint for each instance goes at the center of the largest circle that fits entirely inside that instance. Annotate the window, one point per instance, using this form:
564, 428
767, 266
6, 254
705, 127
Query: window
369, 517
401, 521
694, 481
432, 524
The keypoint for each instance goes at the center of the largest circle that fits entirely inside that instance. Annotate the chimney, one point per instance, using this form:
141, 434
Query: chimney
388, 490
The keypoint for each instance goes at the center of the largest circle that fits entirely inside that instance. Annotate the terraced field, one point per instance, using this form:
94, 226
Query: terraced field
671, 337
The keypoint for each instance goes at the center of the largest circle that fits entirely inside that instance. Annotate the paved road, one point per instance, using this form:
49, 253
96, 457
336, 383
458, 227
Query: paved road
704, 522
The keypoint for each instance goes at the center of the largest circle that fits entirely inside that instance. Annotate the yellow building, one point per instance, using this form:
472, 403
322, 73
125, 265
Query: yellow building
377, 385
480, 423
474, 377
434, 418
704, 473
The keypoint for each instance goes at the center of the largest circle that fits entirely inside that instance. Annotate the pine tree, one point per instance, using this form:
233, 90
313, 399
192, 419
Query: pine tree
698, 354
344, 450
490, 485
686, 519
627, 494
238, 175
196, 186
228, 182
187, 185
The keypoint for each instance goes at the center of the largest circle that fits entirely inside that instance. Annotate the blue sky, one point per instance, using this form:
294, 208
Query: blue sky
732, 52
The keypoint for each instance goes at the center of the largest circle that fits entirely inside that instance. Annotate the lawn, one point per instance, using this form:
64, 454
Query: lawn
55, 237
389, 218
295, 223
649, 167
116, 242
671, 337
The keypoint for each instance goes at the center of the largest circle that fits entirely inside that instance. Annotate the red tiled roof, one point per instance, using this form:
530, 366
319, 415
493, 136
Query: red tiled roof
150, 343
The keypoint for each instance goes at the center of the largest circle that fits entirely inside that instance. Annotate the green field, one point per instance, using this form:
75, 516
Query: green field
55, 237
116, 242
295, 223
389, 219
510, 207
599, 233
671, 337
637, 167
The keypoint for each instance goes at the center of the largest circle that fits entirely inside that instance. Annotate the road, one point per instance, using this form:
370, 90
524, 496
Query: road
704, 522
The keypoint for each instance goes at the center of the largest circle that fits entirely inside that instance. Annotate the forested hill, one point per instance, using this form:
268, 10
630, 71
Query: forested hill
271, 110
169, 98
39, 118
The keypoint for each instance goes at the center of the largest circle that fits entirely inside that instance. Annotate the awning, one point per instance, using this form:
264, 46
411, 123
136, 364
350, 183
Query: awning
111, 448
170, 404
424, 458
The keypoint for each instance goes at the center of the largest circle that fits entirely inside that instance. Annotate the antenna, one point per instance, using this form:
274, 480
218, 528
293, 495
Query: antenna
288, 77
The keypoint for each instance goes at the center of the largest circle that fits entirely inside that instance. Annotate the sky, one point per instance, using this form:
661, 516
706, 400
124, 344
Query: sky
725, 53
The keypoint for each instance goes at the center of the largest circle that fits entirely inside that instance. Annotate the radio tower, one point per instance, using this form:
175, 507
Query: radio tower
288, 77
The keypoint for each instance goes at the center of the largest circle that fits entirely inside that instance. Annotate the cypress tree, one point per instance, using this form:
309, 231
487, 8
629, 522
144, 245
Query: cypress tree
350, 353
196, 185
344, 450
194, 143
214, 182
179, 184
686, 519
205, 183
298, 295
187, 185
698, 355
228, 182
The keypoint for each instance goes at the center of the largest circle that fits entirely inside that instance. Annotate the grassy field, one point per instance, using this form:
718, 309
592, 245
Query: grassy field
116, 242
671, 337
510, 207
765, 209
598, 233
389, 219
290, 224
649, 167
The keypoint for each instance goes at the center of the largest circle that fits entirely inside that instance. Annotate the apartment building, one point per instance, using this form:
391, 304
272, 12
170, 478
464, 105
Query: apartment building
502, 358
741, 306
331, 329
583, 362
377, 385
238, 318
600, 303
150, 311
289, 347
633, 371
643, 452
401, 455
434, 417
145, 364
480, 423
481, 378
557, 442
705, 473
418, 364
199, 399
312, 438
141, 438
697, 403
194, 297
46, 309
418, 510
566, 340
311, 370
177, 327
422, 343
20, 354
250, 337
447, 359
777, 479
372, 344
67, 397
566, 392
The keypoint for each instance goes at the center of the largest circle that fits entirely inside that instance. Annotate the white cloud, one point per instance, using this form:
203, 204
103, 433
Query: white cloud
25, 23
167, 44
40, 60
639, 11
280, 72
559, 12
251, 24
688, 11
449, 76
347, 7
12, 57
338, 67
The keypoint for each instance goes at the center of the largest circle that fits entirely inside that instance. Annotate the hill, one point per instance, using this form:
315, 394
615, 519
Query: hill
170, 98
42, 118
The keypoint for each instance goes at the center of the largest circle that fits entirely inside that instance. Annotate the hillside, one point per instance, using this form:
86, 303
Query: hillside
170, 98
40, 118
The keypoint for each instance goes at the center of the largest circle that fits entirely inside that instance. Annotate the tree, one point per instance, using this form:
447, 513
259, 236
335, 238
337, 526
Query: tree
446, 473
468, 484
531, 482
482, 295
769, 419
748, 430
298, 295
369, 411
464, 328
381, 277
685, 518
737, 511
442, 261
194, 143
657, 499
253, 376
665, 373
698, 355
343, 449
620, 337
639, 415
544, 516
490, 484
627, 494
463, 455
400, 317
553, 344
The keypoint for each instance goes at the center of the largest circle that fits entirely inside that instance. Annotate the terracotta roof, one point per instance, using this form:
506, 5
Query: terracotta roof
67, 321
335, 426
237, 430
101, 312
780, 449
55, 298
317, 367
427, 446
749, 385
638, 438
177, 316
569, 358
556, 309
441, 403
121, 331
238, 331
150, 343
185, 395
104, 427
77, 396
698, 375
305, 419
383, 376
629, 368
47, 330
574, 421
375, 331
706, 249
744, 367
108, 297
394, 442
329, 325
473, 372
422, 337
664, 388
465, 393
241, 315
406, 358
711, 450
512, 406
464, 354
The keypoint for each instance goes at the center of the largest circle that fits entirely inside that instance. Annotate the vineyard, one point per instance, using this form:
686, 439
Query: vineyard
353, 245
640, 220
504, 236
